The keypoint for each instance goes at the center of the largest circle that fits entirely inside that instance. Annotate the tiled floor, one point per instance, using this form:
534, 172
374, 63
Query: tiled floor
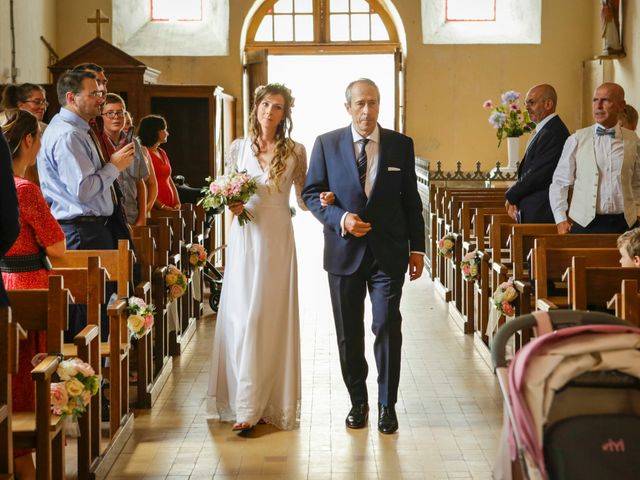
449, 408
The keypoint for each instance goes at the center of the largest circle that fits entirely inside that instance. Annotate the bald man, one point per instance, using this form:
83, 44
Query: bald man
602, 163
528, 198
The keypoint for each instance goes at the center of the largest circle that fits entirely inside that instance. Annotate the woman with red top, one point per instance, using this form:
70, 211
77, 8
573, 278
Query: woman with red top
24, 265
152, 133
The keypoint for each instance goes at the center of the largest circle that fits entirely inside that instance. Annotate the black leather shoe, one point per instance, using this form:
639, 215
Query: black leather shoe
358, 416
387, 419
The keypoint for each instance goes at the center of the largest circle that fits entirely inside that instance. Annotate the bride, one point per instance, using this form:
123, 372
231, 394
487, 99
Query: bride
255, 366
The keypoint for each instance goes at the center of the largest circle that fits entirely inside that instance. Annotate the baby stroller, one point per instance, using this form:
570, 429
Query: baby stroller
571, 397
212, 275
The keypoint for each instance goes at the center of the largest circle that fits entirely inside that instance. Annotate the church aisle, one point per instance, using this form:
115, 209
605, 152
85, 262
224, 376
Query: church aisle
449, 408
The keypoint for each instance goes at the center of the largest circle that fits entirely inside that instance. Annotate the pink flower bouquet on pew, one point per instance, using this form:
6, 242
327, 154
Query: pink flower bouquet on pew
140, 319
445, 246
238, 187
503, 298
79, 383
176, 282
197, 255
470, 265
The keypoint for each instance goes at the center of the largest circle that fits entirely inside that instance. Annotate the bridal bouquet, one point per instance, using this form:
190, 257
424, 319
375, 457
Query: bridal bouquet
470, 265
503, 298
509, 119
72, 395
176, 282
445, 246
237, 187
197, 255
140, 319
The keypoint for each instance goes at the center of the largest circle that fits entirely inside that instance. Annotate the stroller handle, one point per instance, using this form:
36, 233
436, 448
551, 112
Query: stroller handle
559, 319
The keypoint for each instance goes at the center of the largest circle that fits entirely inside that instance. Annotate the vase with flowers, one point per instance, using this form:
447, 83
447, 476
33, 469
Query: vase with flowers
511, 121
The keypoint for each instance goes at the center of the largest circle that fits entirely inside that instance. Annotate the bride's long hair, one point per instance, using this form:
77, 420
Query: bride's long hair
284, 146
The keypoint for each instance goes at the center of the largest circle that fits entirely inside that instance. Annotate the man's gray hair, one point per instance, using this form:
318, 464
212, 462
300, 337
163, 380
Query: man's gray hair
368, 81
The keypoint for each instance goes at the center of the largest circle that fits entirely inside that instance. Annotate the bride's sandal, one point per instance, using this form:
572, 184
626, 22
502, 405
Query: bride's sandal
241, 427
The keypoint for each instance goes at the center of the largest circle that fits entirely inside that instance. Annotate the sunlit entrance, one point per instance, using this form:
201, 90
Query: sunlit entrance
318, 83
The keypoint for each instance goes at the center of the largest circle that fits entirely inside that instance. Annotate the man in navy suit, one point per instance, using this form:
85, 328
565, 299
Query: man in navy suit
528, 198
372, 232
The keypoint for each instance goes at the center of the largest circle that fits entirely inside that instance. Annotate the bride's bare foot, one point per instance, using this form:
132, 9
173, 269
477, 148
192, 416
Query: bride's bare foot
241, 426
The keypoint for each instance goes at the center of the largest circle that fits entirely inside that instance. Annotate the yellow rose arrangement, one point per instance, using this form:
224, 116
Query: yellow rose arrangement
140, 319
78, 384
503, 298
445, 246
176, 282
470, 265
197, 255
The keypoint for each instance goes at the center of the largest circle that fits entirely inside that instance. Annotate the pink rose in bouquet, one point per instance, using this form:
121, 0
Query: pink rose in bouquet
445, 246
176, 282
237, 187
59, 398
72, 395
504, 297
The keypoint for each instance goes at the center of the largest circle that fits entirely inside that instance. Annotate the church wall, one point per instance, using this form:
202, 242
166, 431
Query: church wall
446, 84
32, 18
626, 71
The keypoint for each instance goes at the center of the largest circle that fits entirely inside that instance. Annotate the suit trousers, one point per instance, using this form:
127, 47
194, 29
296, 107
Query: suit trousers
348, 294
615, 223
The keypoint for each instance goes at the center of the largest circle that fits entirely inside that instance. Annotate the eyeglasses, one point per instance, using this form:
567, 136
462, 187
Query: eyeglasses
114, 114
95, 93
39, 102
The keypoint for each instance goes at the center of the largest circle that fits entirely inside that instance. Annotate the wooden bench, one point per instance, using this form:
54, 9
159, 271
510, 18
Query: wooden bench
42, 310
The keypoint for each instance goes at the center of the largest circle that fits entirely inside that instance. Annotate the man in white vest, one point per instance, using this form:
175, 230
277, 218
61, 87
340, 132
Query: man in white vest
603, 165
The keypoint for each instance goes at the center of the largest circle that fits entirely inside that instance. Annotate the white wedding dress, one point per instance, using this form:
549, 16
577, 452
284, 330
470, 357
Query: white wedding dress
255, 365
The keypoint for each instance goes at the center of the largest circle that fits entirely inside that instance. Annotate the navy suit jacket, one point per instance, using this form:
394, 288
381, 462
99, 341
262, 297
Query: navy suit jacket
393, 208
9, 220
535, 173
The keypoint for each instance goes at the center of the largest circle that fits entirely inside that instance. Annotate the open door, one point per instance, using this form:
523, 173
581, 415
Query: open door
255, 73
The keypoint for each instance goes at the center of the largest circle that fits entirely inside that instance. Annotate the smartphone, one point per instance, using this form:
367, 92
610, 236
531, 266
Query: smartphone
129, 137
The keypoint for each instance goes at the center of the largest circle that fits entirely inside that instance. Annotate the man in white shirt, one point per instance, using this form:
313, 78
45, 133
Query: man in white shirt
602, 163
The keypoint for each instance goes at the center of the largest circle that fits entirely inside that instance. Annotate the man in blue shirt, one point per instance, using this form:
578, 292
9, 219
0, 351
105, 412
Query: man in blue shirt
75, 180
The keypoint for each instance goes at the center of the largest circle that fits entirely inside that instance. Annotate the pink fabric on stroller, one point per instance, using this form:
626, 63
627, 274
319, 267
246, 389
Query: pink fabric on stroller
547, 363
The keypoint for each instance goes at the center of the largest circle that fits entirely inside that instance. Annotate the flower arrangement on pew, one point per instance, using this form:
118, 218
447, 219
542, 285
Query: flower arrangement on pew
79, 383
176, 282
140, 319
504, 297
509, 119
470, 265
238, 187
445, 246
197, 255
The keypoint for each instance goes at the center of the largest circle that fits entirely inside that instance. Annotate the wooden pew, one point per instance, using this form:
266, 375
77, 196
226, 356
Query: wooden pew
9, 342
87, 287
626, 303
591, 288
119, 268
43, 310
551, 257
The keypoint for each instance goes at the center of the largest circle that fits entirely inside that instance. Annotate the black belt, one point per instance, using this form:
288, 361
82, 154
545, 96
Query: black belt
25, 263
85, 219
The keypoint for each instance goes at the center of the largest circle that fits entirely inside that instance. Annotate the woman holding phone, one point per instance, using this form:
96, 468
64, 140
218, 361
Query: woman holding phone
132, 179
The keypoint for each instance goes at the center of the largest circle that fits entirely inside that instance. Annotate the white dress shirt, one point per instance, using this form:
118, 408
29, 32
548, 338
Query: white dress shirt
609, 153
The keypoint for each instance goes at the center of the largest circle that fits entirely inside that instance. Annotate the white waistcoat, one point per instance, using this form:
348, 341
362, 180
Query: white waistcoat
585, 189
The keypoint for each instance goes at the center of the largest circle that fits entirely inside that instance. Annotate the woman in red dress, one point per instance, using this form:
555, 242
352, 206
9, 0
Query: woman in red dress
23, 265
152, 133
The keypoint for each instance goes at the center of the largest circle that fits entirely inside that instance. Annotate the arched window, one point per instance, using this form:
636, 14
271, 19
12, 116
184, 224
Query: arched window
333, 24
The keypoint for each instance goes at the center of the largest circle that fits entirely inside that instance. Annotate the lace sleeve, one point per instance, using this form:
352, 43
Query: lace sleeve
300, 173
231, 156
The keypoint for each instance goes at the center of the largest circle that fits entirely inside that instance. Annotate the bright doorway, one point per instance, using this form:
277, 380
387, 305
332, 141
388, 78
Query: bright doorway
318, 83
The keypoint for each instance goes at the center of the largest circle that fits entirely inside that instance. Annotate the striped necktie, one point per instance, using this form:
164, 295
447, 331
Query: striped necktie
362, 161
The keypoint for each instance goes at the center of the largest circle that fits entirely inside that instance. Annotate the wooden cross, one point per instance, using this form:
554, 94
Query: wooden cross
98, 20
